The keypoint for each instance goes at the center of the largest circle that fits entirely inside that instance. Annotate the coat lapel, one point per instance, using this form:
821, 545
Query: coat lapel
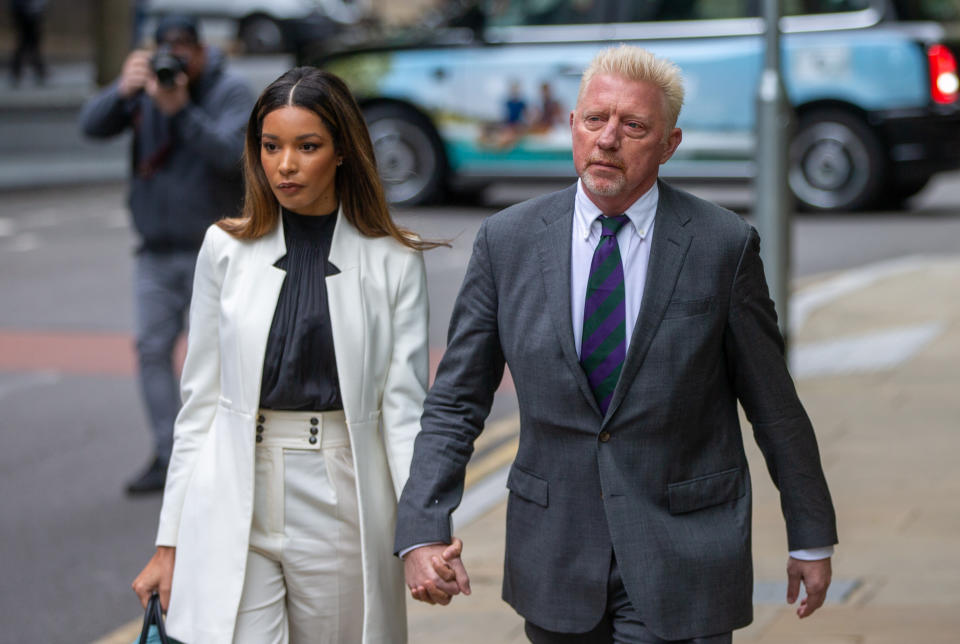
256, 303
554, 249
667, 253
347, 315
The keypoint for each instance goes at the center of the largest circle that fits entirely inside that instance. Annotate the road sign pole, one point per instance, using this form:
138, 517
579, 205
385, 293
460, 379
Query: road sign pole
774, 202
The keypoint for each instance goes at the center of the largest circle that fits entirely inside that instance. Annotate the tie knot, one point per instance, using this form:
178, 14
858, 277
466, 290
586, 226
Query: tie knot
612, 225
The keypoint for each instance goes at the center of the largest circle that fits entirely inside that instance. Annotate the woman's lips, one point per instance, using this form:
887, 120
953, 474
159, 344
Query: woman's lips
289, 187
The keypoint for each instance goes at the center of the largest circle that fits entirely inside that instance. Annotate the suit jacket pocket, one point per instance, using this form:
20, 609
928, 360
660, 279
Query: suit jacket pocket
527, 485
705, 491
687, 308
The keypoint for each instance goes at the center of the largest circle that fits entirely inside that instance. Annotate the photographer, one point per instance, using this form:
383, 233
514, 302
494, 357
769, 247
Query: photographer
188, 116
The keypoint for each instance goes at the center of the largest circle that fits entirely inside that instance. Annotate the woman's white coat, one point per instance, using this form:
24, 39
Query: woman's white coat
378, 314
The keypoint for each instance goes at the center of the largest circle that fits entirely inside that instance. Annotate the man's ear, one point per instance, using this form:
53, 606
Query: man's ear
673, 141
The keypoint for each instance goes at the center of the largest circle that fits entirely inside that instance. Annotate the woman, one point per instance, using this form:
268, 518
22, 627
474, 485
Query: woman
302, 390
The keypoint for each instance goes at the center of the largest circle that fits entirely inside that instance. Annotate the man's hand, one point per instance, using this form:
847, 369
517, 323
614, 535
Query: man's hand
815, 576
435, 573
136, 72
169, 100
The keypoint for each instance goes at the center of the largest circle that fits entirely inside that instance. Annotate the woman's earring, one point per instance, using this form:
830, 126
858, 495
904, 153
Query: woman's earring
339, 163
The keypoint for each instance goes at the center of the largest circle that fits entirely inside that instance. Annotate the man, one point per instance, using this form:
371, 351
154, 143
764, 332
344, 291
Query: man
633, 316
28, 21
188, 128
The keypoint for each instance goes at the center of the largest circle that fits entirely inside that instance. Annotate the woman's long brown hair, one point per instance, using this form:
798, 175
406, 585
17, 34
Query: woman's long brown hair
357, 183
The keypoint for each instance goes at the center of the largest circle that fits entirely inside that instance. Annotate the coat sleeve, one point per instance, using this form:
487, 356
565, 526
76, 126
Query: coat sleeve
455, 409
406, 380
217, 133
199, 387
106, 114
766, 390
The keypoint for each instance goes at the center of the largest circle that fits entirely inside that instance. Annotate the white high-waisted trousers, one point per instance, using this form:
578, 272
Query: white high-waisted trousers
303, 582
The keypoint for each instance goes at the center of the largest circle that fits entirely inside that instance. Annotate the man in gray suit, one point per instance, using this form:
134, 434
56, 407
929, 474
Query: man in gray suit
633, 316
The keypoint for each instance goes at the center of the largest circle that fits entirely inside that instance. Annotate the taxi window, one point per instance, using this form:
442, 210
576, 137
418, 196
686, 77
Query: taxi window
647, 10
514, 13
942, 10
810, 7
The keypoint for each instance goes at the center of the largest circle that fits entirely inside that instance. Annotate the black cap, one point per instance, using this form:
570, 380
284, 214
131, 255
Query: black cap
177, 22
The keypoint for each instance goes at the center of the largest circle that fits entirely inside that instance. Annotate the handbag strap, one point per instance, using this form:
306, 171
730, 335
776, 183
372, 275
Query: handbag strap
153, 616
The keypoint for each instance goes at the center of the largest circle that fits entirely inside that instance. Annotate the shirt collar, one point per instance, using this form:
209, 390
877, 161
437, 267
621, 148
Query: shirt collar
641, 212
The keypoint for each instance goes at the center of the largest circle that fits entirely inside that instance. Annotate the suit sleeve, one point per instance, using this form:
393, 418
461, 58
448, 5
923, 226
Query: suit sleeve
199, 389
406, 380
781, 426
455, 409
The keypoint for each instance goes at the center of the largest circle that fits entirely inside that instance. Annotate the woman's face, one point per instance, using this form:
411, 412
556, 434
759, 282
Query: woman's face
298, 158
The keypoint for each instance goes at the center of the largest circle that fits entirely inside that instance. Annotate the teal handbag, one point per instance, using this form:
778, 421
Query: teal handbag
153, 631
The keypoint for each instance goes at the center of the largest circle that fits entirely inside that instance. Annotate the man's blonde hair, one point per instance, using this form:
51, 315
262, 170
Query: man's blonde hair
637, 64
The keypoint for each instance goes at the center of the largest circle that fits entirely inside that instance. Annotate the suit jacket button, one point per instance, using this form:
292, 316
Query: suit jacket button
313, 440
261, 418
604, 437
314, 421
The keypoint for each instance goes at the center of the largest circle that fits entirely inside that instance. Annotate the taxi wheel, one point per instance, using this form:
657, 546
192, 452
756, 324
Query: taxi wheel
836, 162
409, 154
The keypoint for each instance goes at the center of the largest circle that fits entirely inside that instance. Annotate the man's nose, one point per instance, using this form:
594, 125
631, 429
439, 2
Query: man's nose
609, 138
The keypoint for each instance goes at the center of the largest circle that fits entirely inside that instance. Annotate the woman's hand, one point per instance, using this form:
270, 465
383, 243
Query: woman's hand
157, 575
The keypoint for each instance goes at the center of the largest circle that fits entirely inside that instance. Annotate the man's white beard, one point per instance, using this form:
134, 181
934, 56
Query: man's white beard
604, 187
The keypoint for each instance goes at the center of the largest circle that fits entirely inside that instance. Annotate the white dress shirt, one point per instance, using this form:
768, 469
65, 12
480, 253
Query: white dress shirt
633, 239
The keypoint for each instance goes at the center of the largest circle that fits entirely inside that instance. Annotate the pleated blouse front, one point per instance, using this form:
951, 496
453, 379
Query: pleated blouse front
299, 366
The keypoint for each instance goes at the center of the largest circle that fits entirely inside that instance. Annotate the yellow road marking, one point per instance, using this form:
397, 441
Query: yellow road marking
123, 635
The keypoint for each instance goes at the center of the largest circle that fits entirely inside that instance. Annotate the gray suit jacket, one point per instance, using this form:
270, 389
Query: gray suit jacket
661, 480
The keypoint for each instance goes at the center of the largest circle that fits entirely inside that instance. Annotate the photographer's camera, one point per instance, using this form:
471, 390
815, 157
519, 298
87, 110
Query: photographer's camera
166, 65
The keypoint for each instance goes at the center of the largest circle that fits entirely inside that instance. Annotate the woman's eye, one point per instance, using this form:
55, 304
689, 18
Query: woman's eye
268, 146
310, 147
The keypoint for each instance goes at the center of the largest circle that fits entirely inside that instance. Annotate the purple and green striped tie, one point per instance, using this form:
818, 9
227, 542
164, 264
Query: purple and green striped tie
604, 340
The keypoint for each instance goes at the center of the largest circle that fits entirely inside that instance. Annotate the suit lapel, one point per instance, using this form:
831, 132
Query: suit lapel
667, 253
347, 314
553, 248
256, 304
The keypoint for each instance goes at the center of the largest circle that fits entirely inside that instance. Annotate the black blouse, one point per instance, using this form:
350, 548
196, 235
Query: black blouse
299, 366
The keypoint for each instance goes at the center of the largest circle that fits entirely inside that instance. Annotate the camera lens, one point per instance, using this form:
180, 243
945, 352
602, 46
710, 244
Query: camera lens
166, 66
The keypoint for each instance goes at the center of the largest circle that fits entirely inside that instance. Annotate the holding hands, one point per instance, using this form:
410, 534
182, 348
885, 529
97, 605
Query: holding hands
435, 573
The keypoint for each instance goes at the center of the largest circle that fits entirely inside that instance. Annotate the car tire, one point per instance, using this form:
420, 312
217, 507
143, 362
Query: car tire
261, 34
836, 162
409, 154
